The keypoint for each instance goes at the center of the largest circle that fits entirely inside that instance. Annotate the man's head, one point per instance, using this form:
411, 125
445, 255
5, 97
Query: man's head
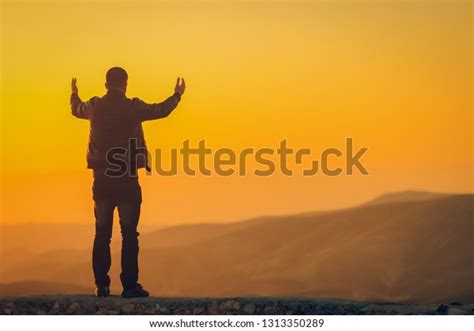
116, 79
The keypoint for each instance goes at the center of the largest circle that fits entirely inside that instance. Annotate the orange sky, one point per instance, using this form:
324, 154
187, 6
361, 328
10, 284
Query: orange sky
395, 76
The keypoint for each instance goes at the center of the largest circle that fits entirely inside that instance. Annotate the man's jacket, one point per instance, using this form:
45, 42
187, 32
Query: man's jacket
114, 121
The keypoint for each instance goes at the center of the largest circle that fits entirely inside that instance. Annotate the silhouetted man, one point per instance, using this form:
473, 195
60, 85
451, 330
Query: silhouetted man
115, 125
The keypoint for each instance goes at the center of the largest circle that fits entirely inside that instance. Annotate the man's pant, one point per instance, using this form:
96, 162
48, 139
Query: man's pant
129, 213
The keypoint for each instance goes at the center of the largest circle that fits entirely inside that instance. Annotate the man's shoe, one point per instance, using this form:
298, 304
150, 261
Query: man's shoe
136, 292
102, 291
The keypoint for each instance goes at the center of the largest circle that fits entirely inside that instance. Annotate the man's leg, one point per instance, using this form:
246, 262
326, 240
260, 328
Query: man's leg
129, 213
104, 213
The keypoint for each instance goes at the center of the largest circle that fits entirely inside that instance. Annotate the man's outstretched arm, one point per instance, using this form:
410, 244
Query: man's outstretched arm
78, 108
152, 111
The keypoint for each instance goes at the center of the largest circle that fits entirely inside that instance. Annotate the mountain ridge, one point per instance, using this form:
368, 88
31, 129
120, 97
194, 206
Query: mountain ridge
411, 251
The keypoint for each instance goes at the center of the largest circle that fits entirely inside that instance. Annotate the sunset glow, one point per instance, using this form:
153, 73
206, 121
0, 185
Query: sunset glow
394, 76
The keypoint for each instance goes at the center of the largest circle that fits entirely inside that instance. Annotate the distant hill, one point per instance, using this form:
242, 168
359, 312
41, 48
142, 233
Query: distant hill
405, 196
415, 250
23, 242
34, 287
42, 237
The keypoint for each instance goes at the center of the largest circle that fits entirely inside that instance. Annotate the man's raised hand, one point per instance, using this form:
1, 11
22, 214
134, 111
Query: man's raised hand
180, 86
74, 89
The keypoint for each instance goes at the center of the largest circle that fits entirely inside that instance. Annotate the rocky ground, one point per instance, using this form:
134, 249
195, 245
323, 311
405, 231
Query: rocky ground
88, 305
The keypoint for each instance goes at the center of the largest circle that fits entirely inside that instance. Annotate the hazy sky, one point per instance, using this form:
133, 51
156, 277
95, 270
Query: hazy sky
395, 76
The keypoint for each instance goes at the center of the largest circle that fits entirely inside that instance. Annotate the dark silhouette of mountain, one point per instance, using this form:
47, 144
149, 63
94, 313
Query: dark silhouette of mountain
403, 251
406, 196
